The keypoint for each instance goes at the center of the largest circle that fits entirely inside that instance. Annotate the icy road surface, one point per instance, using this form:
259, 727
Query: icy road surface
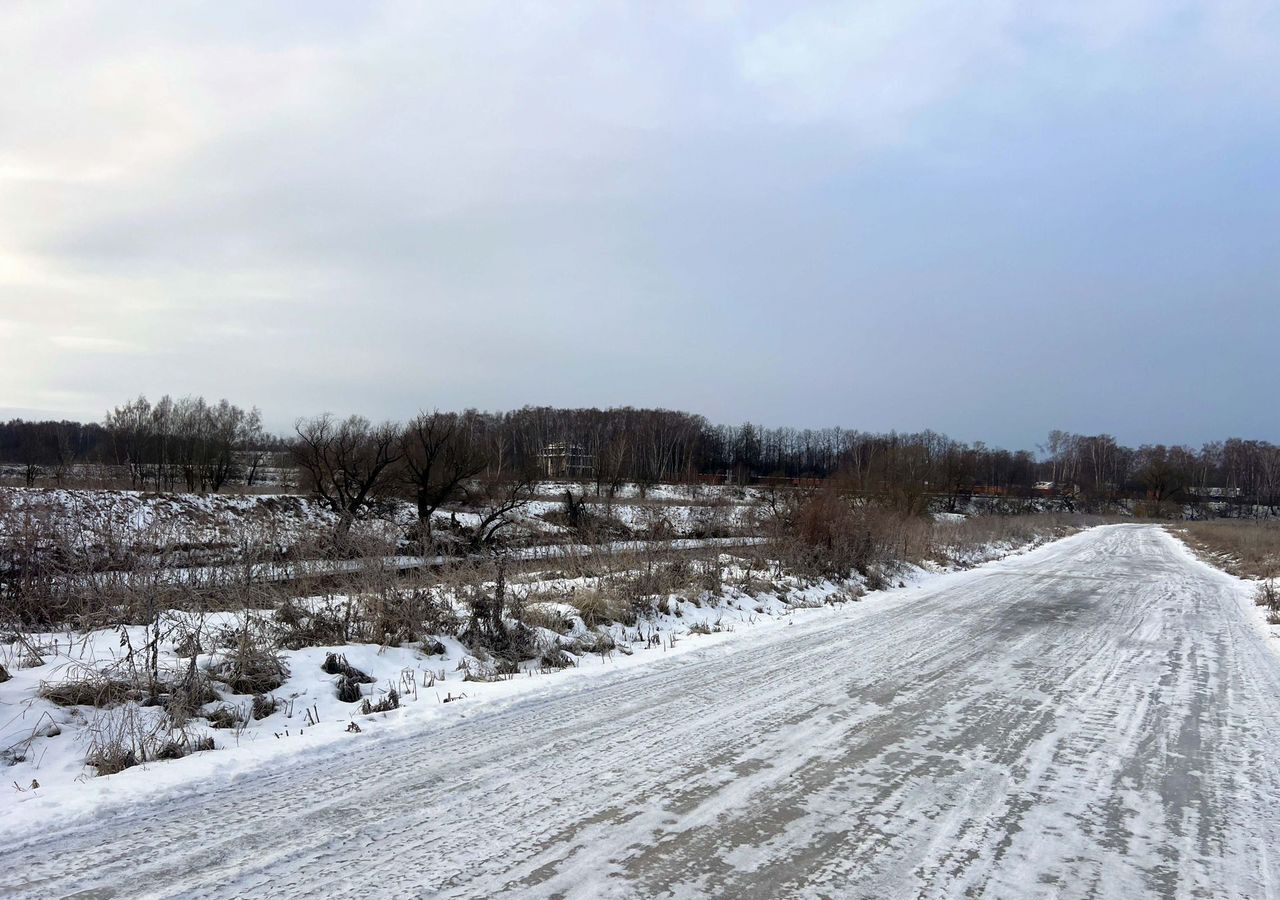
1098, 718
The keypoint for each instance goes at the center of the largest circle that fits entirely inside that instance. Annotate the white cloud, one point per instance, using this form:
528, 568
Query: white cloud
90, 344
873, 65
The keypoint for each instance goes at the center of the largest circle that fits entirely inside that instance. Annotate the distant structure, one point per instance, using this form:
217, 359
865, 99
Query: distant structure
1057, 489
565, 460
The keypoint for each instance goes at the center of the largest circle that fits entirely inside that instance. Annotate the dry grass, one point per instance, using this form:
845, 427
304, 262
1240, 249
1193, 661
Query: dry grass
226, 716
596, 606
336, 664
1268, 597
87, 687
122, 738
251, 664
963, 543
1248, 548
555, 658
831, 535
542, 615
388, 702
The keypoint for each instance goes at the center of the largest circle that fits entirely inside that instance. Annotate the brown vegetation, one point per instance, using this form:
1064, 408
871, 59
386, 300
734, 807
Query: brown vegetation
1248, 548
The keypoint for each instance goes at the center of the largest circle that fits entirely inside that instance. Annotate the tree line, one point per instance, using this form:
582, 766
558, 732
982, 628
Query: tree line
187, 443
50, 447
434, 458
200, 445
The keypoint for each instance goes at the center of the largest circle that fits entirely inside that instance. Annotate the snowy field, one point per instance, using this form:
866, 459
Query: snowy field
132, 526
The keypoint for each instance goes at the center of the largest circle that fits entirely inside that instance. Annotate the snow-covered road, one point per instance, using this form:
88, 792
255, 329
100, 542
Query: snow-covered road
1097, 718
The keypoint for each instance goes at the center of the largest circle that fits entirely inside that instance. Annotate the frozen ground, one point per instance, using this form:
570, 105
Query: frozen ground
130, 528
1096, 718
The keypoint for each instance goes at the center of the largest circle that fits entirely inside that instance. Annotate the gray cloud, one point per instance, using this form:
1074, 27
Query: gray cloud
989, 219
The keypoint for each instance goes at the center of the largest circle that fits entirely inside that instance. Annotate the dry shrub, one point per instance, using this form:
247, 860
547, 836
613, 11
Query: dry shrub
502, 666
595, 642
180, 696
189, 693
297, 627
1268, 596
554, 657
968, 541
622, 599
184, 746
543, 615
495, 622
349, 677
348, 690
226, 717
87, 687
125, 737
487, 668
112, 758
389, 702
1158, 509
633, 593
253, 670
41, 555
638, 606
660, 571
188, 645
595, 606
264, 705
827, 534
336, 664
395, 616
710, 576
587, 523
1249, 548
711, 522
252, 665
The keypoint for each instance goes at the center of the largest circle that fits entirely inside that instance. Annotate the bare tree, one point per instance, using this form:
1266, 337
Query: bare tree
498, 499
129, 428
503, 491
1164, 471
64, 448
345, 462
960, 464
29, 456
229, 428
612, 462
441, 453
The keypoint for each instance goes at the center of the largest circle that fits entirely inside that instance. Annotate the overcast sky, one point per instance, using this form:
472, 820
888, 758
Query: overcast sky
986, 218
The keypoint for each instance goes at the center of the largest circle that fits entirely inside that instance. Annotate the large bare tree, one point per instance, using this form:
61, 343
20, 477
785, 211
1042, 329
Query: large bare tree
345, 462
441, 453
